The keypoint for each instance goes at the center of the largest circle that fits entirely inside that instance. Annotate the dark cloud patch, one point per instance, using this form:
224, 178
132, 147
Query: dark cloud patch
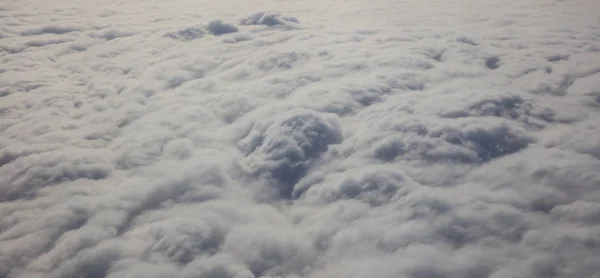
504, 105
557, 57
41, 43
468, 143
500, 106
218, 27
492, 62
187, 34
284, 149
466, 40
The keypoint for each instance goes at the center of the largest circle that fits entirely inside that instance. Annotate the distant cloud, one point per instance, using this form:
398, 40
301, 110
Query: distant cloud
217, 27
269, 19
187, 34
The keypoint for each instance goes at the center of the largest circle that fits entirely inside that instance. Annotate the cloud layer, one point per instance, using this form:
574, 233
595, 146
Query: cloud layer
299, 139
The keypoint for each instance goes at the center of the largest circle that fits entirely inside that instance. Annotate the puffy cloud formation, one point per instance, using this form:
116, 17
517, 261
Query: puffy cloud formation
269, 19
415, 139
284, 149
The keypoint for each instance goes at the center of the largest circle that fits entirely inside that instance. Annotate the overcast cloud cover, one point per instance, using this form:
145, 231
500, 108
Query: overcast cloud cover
241, 139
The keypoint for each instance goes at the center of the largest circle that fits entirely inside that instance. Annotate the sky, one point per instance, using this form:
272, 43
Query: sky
289, 138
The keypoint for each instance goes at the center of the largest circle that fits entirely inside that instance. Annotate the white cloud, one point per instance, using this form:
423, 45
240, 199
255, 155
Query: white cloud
269, 19
299, 139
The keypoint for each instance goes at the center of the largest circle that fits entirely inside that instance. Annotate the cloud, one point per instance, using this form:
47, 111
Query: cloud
270, 251
50, 29
468, 142
186, 34
218, 27
372, 186
284, 149
111, 34
35, 171
237, 38
283, 60
269, 19
205, 139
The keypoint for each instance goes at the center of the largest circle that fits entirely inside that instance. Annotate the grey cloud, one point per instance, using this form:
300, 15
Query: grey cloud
218, 27
187, 34
468, 143
284, 60
269, 19
285, 148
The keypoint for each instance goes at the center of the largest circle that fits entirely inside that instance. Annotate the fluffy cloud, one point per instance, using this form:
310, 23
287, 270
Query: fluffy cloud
284, 149
299, 139
269, 19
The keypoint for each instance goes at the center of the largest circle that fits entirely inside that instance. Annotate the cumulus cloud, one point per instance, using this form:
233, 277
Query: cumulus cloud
269, 19
299, 139
284, 149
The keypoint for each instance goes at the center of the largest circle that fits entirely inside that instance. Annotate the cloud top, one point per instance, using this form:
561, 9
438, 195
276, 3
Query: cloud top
299, 139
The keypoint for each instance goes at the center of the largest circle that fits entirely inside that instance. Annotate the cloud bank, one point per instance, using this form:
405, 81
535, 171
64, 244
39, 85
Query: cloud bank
299, 139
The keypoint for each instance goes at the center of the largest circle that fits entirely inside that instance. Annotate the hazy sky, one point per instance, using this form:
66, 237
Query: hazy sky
317, 139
